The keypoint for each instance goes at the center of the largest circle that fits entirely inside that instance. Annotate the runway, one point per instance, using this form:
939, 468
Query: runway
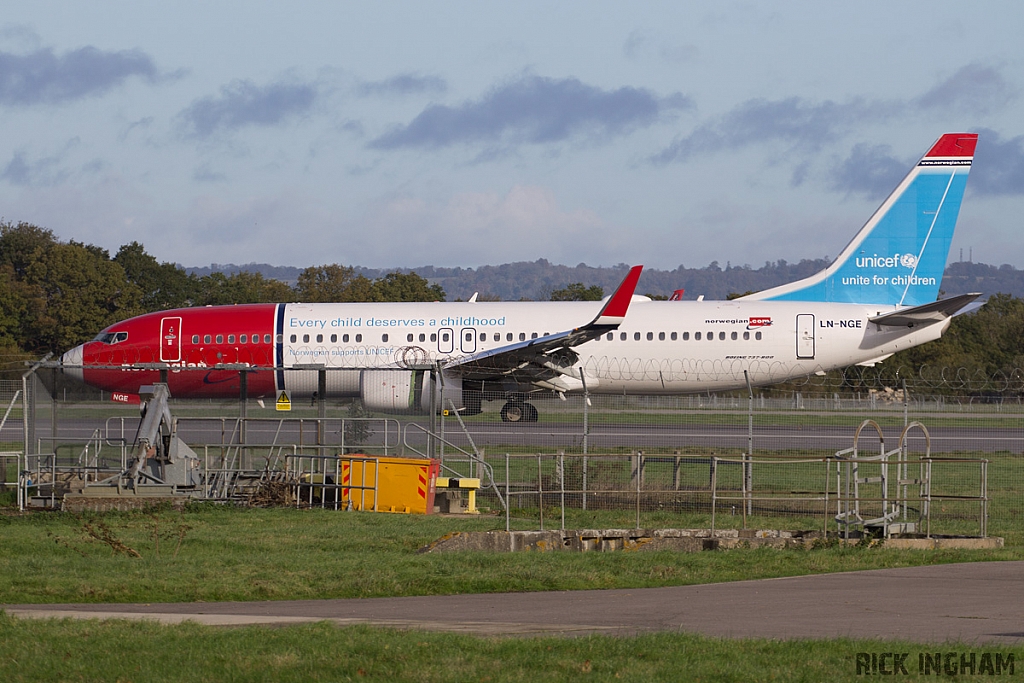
767, 438
970, 603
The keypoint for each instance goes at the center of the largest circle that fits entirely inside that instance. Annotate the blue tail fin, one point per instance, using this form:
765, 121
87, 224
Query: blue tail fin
898, 257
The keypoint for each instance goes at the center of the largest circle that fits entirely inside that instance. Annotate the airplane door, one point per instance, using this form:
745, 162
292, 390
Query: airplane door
805, 336
467, 342
446, 340
170, 340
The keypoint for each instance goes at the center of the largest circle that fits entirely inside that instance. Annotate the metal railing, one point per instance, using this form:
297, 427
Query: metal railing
693, 490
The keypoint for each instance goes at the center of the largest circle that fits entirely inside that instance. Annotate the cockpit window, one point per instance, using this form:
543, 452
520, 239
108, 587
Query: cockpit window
111, 337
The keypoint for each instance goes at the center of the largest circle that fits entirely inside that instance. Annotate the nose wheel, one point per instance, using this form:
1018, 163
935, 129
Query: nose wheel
519, 411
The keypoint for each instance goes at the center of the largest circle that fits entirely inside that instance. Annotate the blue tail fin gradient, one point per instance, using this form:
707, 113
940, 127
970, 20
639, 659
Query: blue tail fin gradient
898, 257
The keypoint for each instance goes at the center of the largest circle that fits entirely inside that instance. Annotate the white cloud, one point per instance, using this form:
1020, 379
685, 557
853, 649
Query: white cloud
483, 227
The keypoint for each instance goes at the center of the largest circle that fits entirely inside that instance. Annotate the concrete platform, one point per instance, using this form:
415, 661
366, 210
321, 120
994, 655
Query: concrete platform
981, 602
682, 540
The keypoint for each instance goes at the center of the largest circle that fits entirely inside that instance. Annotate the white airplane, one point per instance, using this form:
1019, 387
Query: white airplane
877, 298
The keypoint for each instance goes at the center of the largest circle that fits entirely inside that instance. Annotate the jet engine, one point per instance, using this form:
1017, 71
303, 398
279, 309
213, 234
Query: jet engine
407, 391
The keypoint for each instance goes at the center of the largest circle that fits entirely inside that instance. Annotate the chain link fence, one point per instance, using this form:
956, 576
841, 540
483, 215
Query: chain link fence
765, 458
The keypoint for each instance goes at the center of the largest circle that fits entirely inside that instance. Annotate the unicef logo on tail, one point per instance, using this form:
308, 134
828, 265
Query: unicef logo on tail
876, 261
882, 263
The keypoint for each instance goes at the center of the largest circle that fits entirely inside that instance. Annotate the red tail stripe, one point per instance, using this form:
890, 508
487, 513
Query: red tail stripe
954, 145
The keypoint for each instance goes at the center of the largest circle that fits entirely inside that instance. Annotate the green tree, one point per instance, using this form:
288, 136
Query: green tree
578, 292
241, 288
336, 283
333, 283
163, 285
13, 307
83, 293
20, 245
406, 287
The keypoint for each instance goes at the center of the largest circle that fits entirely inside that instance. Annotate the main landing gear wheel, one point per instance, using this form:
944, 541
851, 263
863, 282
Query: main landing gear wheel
519, 411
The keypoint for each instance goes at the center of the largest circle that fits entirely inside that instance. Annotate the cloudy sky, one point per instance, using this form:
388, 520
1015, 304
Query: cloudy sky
470, 133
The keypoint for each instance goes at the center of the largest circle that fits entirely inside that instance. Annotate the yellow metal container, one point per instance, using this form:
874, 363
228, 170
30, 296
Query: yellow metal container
389, 484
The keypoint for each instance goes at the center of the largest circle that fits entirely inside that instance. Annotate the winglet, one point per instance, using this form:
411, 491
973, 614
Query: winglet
614, 312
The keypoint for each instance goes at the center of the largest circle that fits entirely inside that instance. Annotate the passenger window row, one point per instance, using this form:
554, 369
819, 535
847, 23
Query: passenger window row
697, 336
334, 338
509, 336
242, 339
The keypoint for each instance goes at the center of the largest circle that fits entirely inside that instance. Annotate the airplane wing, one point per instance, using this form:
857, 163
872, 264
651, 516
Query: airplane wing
551, 355
926, 314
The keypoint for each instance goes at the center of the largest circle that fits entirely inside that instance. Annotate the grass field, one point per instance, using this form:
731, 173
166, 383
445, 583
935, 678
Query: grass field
212, 553
53, 650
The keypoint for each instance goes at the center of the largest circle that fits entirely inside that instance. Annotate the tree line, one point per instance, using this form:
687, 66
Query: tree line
537, 280
55, 295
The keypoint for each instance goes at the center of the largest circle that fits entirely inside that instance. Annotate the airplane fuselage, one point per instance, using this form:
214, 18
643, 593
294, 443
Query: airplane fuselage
661, 347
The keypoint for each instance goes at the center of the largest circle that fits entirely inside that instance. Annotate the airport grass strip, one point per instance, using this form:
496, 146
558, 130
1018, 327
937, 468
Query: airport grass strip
216, 554
49, 650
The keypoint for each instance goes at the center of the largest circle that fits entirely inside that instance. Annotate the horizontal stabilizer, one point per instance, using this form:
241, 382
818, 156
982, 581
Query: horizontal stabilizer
926, 314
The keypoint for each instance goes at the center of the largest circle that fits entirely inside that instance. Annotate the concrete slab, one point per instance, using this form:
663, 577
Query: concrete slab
981, 602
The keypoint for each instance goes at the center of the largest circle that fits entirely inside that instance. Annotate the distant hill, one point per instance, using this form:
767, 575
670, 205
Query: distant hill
535, 280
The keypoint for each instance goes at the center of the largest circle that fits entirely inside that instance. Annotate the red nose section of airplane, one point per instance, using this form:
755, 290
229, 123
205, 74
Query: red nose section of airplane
200, 352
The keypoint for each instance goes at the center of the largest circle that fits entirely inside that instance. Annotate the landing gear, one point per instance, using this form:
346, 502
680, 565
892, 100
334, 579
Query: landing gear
519, 411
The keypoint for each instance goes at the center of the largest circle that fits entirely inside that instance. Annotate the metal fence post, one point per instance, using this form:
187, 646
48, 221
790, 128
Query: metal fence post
748, 467
906, 403
561, 477
714, 489
639, 483
984, 498
540, 491
585, 458
824, 528
586, 434
676, 462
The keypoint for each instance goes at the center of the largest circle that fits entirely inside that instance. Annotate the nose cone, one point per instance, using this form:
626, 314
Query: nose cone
72, 362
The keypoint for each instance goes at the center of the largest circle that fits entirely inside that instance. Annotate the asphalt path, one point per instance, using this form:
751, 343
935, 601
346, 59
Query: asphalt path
971, 603
823, 438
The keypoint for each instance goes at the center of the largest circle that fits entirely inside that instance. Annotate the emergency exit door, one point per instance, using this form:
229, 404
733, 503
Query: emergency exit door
170, 340
467, 342
805, 336
446, 340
